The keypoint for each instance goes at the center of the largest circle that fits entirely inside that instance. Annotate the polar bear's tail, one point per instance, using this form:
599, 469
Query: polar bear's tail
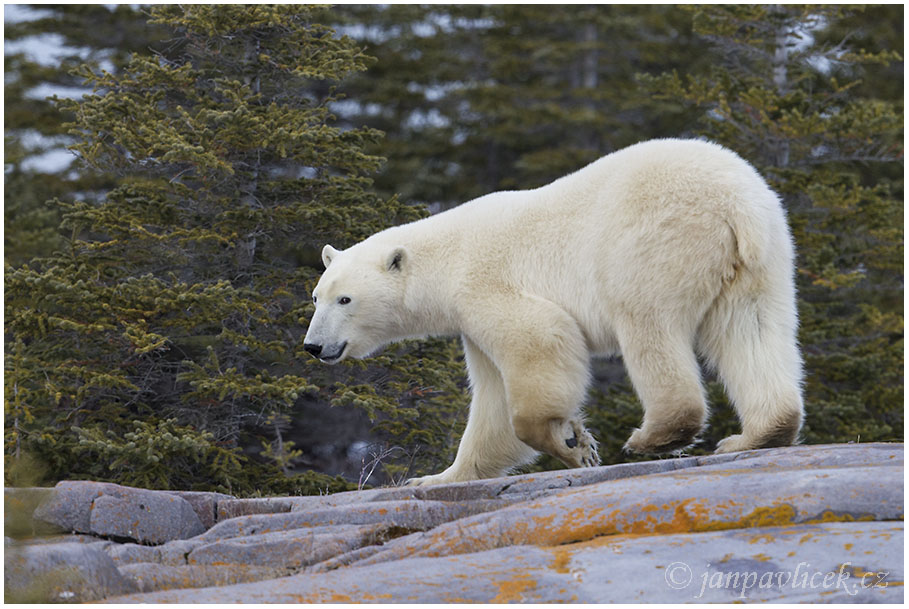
749, 334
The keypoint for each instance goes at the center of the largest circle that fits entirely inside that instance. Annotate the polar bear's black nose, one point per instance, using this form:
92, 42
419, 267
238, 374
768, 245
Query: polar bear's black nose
313, 349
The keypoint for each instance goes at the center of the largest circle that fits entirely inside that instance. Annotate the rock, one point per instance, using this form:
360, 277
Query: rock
272, 505
827, 562
204, 504
60, 572
347, 558
172, 553
129, 553
413, 515
531, 486
828, 518
146, 517
102, 508
813, 563
176, 553
289, 549
808, 456
232, 508
70, 505
507, 490
680, 501
150, 577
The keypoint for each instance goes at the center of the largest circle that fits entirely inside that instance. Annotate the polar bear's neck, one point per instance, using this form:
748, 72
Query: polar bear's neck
446, 257
430, 288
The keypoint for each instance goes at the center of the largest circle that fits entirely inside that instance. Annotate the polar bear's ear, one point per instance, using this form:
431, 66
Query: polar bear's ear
328, 254
396, 259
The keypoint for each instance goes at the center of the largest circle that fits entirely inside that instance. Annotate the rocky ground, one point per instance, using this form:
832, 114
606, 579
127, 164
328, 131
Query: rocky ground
806, 523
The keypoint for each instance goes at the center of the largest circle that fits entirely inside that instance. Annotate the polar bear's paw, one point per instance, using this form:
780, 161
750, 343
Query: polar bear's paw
448, 476
734, 444
428, 480
582, 447
644, 441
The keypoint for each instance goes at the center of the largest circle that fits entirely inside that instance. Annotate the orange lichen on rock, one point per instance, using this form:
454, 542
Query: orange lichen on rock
762, 538
561, 559
376, 597
577, 524
512, 590
829, 516
759, 517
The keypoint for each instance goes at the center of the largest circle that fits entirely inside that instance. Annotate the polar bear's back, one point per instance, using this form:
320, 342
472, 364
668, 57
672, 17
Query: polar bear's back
657, 178
665, 221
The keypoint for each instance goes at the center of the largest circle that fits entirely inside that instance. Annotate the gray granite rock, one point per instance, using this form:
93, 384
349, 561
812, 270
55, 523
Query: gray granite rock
680, 501
151, 577
289, 549
173, 553
808, 456
827, 517
60, 572
70, 505
146, 517
176, 553
828, 562
204, 504
112, 510
233, 508
532, 486
412, 514
128, 553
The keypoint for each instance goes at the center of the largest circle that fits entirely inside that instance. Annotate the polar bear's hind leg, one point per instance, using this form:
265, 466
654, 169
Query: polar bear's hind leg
663, 368
749, 336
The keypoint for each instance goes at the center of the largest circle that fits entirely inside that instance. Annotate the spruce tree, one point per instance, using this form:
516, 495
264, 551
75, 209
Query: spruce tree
161, 346
479, 98
91, 34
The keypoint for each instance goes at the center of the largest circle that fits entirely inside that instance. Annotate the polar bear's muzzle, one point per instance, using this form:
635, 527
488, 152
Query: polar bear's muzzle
328, 356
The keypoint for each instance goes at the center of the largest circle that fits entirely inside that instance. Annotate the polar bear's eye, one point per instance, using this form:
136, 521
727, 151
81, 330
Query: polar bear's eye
344, 300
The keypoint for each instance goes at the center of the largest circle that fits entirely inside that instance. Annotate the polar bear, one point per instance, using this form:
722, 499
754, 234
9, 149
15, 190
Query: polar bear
660, 252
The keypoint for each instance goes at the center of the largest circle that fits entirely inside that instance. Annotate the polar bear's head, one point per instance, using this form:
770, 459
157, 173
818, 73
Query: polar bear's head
358, 301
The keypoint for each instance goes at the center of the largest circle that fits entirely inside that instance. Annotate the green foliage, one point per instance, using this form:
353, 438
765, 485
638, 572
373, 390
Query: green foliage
93, 34
280, 451
479, 98
158, 455
160, 346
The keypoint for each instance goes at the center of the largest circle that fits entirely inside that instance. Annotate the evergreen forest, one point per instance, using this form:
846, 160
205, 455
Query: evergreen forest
173, 171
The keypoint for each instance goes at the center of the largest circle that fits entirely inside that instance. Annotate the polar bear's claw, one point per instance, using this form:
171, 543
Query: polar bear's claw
583, 446
441, 478
649, 442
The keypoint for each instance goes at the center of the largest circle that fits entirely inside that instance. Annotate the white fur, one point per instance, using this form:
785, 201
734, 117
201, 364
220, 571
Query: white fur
658, 252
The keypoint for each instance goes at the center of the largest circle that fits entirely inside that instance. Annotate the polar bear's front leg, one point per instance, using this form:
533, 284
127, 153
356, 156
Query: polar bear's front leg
544, 362
489, 446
